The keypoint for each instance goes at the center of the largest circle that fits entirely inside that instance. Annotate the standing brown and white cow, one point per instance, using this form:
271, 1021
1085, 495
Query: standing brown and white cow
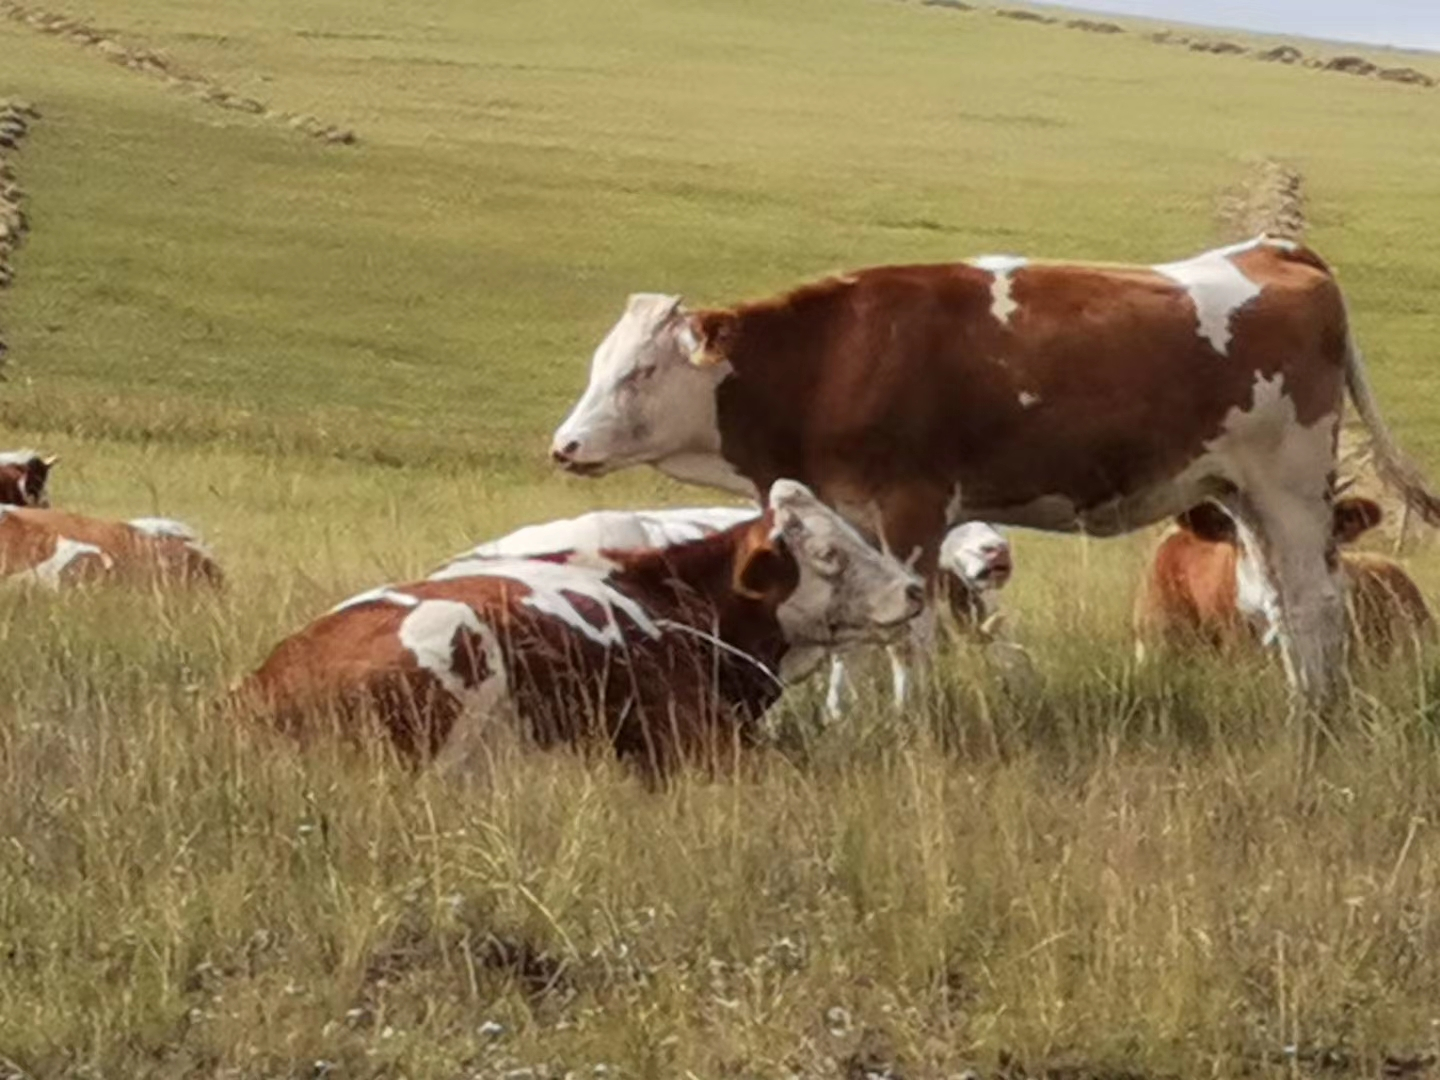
1057, 396
23, 478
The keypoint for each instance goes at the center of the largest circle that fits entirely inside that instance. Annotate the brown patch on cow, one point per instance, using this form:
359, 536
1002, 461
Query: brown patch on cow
1189, 594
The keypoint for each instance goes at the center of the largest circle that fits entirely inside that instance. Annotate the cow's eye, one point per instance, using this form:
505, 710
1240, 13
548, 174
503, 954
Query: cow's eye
827, 558
636, 376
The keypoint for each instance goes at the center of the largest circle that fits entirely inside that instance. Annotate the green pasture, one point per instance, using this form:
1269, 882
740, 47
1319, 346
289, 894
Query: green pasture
343, 364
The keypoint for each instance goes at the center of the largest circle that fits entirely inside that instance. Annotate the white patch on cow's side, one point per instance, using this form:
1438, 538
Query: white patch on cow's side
1028, 400
482, 726
613, 530
428, 632
1001, 269
1217, 287
17, 457
383, 594
50, 572
549, 583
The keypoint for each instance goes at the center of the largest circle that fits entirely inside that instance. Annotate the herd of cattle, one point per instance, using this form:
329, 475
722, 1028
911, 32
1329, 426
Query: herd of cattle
884, 423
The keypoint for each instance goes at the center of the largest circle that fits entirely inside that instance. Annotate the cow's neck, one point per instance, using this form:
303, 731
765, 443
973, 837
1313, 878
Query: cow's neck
760, 406
695, 583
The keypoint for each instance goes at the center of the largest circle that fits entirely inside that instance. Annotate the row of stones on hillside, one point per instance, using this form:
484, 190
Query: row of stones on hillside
1289, 54
159, 66
15, 119
1279, 54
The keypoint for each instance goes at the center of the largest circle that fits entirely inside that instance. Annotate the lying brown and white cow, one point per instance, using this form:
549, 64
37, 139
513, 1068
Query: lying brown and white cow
1058, 396
55, 549
975, 561
1205, 586
661, 654
23, 478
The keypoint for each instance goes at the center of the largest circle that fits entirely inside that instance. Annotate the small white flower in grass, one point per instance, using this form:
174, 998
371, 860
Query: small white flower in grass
837, 1020
492, 1029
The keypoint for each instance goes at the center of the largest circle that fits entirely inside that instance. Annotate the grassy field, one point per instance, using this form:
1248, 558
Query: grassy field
343, 364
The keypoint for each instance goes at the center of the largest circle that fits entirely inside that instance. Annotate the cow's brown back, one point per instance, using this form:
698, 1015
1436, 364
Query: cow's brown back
31, 537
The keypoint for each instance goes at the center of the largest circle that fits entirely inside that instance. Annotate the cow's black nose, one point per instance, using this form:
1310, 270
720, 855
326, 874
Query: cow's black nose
915, 593
564, 454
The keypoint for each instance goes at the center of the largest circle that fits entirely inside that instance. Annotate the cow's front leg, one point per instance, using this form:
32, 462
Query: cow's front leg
911, 527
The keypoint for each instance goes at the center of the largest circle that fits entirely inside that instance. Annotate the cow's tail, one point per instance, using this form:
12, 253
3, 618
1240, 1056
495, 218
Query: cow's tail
1396, 470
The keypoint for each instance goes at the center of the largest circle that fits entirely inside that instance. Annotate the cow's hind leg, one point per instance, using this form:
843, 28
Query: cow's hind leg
1290, 534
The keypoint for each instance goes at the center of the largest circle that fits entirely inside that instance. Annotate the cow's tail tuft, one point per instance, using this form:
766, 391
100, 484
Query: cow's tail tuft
1396, 470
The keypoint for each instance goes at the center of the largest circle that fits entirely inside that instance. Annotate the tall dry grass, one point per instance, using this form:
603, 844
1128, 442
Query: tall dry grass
1120, 870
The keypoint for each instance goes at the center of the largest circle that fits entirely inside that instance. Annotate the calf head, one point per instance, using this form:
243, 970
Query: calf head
650, 397
1255, 598
826, 585
24, 475
1353, 517
978, 555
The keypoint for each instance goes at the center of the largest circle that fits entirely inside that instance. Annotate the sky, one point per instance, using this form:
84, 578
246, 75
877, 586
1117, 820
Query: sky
1413, 24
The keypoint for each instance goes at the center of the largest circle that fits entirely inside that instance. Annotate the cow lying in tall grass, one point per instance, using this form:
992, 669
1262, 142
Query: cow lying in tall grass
1205, 586
661, 655
55, 549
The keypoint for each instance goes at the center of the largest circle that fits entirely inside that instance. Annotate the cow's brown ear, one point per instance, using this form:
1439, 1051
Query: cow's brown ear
704, 335
766, 569
1208, 522
37, 475
1354, 517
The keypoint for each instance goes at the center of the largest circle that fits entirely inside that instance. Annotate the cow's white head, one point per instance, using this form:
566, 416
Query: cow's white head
651, 396
833, 588
979, 555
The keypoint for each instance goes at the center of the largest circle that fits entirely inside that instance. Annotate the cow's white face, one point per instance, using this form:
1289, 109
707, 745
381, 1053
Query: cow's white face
847, 592
647, 402
979, 555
